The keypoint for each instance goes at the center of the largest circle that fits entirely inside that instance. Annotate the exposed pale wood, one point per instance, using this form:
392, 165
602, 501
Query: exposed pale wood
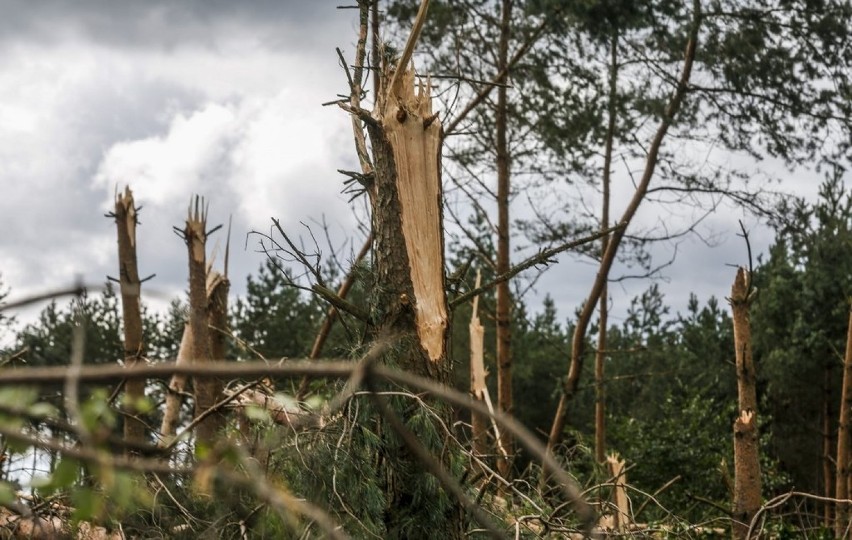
622, 521
477, 375
177, 386
740, 301
284, 413
414, 136
195, 235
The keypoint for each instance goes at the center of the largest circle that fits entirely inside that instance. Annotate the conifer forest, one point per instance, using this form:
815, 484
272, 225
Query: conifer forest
421, 382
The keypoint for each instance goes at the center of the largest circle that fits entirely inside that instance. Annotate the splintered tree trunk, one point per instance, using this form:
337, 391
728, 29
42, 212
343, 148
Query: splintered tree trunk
622, 505
217, 324
479, 423
409, 304
746, 455
174, 394
844, 439
195, 235
134, 348
504, 300
410, 295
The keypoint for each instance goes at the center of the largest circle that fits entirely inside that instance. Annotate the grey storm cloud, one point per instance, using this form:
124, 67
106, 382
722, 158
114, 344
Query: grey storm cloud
172, 98
168, 23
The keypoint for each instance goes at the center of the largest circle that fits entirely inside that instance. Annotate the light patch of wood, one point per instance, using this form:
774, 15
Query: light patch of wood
177, 385
126, 201
622, 504
282, 410
477, 346
195, 230
414, 135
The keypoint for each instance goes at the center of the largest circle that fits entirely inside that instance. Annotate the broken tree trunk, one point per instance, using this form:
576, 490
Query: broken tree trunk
177, 386
407, 225
409, 304
130, 287
206, 395
844, 439
746, 453
621, 523
478, 422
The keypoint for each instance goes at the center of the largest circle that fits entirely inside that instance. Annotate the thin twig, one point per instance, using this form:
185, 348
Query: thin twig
542, 257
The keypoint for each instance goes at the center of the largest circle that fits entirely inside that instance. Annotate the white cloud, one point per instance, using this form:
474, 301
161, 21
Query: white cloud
231, 118
171, 167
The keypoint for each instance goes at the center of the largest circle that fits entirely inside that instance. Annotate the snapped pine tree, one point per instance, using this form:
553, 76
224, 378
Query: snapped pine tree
130, 286
409, 303
746, 452
478, 422
208, 390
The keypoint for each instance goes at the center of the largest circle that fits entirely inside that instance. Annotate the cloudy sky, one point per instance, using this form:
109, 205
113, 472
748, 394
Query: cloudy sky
214, 97
172, 98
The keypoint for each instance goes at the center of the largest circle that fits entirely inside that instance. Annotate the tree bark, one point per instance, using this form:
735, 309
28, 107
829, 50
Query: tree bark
130, 287
746, 451
217, 290
579, 337
603, 308
504, 300
409, 304
844, 439
195, 235
746, 473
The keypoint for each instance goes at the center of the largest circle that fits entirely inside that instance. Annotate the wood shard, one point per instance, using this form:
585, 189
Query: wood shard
416, 151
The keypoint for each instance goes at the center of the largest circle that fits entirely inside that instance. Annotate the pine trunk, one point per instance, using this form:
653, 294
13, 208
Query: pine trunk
844, 440
603, 307
195, 235
130, 286
504, 300
409, 305
746, 452
578, 346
